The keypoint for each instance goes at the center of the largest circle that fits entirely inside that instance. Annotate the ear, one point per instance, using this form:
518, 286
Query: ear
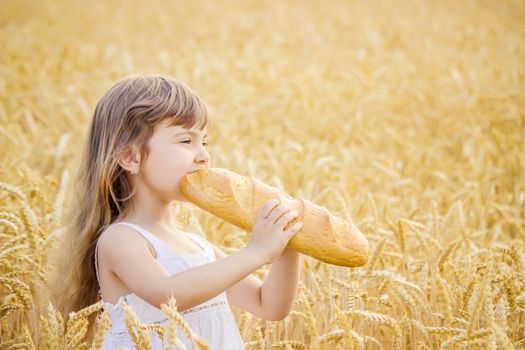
130, 159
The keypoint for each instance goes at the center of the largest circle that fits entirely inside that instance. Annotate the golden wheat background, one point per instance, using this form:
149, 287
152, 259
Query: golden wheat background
407, 117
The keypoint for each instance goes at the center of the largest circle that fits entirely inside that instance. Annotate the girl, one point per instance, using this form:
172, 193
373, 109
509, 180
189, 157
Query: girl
121, 241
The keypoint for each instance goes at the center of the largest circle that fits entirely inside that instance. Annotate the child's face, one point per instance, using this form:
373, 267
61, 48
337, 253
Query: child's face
174, 152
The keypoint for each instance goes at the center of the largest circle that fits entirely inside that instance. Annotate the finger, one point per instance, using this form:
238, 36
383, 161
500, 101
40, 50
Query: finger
283, 220
277, 213
294, 229
267, 207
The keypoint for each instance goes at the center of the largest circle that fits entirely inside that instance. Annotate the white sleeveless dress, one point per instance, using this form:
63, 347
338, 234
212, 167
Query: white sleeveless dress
211, 320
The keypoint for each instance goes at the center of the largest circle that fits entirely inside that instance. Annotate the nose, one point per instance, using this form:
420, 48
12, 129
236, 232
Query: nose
203, 157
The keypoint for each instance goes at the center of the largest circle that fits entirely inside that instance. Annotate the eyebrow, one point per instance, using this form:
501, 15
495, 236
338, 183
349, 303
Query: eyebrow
189, 132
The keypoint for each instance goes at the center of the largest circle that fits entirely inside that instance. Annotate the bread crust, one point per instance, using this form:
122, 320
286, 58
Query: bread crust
237, 199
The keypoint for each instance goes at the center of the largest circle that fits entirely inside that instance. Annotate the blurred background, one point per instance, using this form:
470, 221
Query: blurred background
406, 117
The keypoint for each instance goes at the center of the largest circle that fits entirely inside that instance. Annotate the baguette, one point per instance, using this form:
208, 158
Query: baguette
238, 199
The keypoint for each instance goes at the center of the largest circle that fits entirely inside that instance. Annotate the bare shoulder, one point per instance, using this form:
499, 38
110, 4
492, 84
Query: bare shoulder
118, 240
126, 254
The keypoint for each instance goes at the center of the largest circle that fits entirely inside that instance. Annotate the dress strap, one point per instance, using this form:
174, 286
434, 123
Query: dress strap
96, 268
160, 245
200, 241
149, 236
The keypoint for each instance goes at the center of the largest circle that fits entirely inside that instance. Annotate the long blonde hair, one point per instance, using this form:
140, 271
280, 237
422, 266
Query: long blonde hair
127, 113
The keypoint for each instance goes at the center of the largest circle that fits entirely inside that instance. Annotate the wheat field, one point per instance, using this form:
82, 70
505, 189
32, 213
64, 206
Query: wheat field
406, 117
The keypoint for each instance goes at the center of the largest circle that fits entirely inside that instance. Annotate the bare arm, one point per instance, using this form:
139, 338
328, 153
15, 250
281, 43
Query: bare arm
128, 257
280, 286
206, 281
125, 254
269, 239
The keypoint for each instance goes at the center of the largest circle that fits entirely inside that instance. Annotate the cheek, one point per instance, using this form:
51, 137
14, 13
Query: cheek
165, 169
163, 179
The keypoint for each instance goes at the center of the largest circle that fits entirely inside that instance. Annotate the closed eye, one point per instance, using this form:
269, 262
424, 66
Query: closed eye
188, 141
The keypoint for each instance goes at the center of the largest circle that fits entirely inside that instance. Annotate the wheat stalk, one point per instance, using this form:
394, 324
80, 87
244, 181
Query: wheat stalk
448, 251
288, 344
103, 323
379, 319
77, 325
438, 330
20, 292
174, 317
139, 336
56, 214
373, 260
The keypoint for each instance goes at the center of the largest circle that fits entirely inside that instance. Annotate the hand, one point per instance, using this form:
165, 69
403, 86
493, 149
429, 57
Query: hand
268, 236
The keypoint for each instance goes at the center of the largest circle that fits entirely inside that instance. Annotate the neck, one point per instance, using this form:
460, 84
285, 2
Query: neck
148, 209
